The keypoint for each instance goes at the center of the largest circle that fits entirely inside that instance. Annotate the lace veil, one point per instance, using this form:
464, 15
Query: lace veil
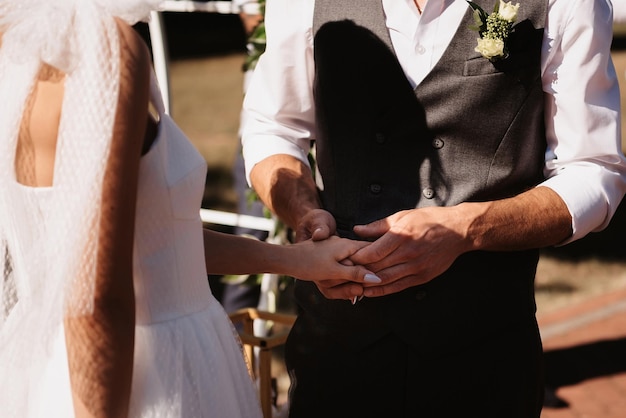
48, 245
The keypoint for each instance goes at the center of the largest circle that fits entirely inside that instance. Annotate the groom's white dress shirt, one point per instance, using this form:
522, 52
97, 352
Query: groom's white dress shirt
584, 163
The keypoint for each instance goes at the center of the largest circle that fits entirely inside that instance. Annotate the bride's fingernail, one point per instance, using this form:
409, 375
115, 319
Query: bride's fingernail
354, 298
372, 278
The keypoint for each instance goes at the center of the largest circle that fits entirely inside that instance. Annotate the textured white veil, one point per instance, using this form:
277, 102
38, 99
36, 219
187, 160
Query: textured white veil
48, 246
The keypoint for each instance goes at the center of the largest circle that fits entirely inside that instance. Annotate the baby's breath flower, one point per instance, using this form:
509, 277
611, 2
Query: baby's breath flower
497, 28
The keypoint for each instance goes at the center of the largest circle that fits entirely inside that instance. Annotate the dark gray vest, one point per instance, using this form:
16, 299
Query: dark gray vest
472, 130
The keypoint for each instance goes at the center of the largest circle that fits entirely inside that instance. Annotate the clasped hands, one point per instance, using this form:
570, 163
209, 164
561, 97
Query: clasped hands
405, 249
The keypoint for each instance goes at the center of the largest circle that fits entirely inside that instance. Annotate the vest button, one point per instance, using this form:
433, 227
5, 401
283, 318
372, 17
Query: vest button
375, 188
420, 49
420, 295
437, 143
428, 193
380, 138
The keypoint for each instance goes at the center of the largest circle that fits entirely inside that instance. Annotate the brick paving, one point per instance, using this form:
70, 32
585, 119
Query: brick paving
585, 347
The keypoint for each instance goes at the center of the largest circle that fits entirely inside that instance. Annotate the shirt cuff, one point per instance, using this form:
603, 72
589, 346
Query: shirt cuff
591, 202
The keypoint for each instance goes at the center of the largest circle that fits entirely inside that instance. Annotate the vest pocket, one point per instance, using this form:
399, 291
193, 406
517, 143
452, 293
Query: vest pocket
516, 62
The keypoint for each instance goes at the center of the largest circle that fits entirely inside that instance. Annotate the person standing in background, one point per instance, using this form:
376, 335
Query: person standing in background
251, 13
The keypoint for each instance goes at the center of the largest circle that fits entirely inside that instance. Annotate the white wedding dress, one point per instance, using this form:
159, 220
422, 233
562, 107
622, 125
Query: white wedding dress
188, 359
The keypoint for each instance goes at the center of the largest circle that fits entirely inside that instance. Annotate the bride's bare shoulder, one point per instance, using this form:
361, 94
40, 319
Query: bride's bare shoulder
133, 49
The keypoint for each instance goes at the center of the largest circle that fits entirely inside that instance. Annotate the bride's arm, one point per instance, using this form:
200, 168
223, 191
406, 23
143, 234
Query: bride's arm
101, 345
306, 260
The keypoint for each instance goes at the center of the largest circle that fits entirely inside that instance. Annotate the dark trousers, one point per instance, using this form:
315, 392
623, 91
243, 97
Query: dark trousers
496, 377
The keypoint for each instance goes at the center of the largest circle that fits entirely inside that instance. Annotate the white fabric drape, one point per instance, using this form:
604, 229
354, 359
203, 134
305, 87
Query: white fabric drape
49, 246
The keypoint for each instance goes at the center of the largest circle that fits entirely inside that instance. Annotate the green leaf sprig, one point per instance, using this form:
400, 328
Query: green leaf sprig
256, 42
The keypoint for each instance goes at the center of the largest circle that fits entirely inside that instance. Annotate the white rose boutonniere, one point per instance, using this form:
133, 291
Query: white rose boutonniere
494, 28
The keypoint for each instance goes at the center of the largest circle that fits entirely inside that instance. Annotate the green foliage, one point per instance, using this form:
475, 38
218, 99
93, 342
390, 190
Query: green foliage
480, 18
256, 42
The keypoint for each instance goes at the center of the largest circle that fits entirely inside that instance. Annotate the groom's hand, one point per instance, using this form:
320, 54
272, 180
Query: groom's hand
411, 248
317, 224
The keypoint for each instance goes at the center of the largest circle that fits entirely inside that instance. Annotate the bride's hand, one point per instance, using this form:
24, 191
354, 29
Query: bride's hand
327, 263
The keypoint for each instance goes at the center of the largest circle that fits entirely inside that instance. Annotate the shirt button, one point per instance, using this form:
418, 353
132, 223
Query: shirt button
375, 188
380, 138
428, 193
420, 49
420, 295
437, 143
